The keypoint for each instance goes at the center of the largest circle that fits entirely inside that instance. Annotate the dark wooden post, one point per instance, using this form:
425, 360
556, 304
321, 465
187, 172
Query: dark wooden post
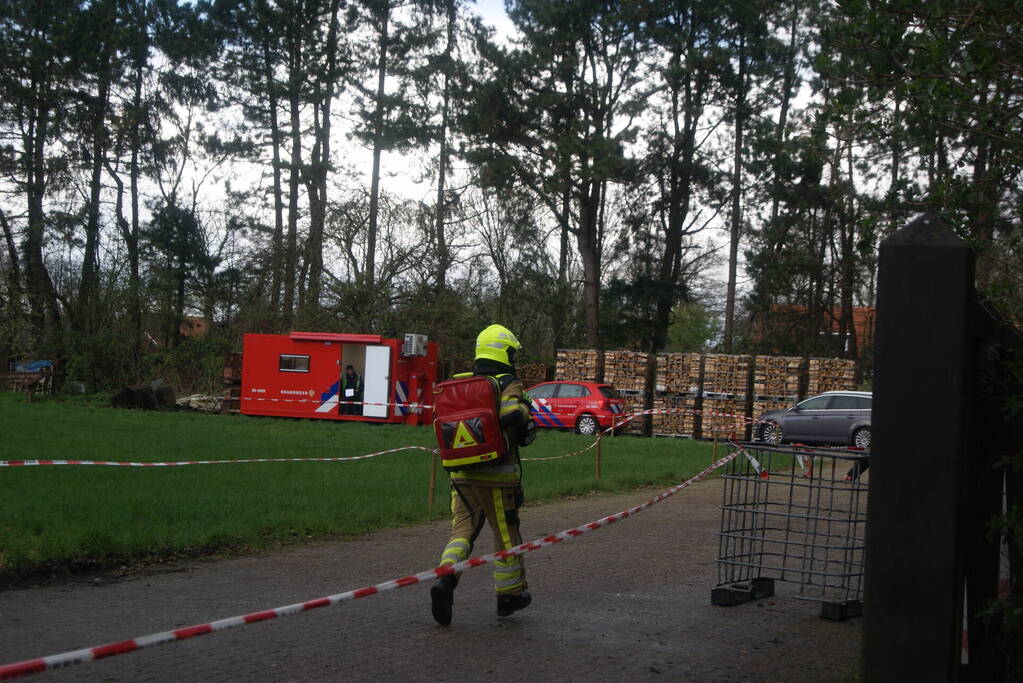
923, 379
997, 427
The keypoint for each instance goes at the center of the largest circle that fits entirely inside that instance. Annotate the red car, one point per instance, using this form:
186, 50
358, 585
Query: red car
583, 406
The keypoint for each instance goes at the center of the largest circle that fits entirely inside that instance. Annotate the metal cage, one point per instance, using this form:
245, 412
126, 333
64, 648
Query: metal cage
796, 515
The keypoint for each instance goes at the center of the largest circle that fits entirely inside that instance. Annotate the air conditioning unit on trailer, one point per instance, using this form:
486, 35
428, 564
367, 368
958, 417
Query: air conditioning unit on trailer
414, 345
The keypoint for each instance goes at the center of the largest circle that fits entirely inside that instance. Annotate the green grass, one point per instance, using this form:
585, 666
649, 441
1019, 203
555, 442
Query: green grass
67, 517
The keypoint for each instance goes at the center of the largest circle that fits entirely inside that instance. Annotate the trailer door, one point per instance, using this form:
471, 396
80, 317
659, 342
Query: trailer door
377, 379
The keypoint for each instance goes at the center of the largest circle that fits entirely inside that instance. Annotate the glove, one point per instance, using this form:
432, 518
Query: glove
527, 433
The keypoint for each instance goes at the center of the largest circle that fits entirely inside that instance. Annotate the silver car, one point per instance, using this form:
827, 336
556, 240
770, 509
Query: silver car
838, 418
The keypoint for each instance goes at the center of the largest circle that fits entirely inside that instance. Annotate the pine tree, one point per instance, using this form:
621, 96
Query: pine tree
555, 117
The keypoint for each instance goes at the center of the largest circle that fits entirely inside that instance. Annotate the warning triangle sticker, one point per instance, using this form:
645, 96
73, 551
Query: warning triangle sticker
463, 437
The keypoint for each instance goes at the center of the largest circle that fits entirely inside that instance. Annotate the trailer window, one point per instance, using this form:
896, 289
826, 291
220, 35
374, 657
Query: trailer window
289, 363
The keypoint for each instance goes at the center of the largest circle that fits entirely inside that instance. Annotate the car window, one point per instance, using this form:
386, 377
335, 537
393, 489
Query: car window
572, 391
542, 391
862, 403
815, 403
609, 392
844, 403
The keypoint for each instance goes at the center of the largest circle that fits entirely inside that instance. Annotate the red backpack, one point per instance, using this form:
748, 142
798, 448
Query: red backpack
466, 422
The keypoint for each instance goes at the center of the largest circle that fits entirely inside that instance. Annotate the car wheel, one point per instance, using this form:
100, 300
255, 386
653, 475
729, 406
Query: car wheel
587, 424
861, 438
770, 433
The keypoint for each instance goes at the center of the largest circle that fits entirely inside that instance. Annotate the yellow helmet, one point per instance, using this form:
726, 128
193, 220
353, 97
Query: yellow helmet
497, 343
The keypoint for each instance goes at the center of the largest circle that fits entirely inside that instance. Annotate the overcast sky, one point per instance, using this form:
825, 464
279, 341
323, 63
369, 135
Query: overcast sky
493, 14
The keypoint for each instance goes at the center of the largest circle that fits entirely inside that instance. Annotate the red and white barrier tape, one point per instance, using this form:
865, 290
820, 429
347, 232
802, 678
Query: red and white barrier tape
561, 457
689, 411
569, 455
600, 435
761, 472
616, 425
109, 463
409, 405
31, 666
415, 406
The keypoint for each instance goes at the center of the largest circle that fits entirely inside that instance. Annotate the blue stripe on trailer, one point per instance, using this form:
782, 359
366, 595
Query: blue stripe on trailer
401, 396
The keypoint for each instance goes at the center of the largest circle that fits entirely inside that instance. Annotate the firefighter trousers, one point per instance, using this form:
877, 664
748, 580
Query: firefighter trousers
471, 507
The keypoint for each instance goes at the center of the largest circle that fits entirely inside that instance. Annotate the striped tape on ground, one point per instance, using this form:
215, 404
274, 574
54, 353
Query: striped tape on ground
89, 654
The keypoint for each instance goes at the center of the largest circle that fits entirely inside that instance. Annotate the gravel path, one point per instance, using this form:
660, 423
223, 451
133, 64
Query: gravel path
627, 602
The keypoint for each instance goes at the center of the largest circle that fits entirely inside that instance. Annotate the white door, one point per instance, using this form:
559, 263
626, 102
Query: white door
376, 381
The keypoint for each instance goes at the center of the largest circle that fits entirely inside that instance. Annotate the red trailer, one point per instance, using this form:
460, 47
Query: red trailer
299, 375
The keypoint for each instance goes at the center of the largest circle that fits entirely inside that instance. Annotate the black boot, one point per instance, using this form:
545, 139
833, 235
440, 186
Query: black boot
507, 604
442, 596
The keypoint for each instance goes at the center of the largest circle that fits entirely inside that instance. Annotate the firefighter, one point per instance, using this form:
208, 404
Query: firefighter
491, 493
351, 392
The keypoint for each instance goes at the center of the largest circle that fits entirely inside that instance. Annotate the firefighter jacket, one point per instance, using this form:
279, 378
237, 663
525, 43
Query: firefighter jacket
354, 383
513, 413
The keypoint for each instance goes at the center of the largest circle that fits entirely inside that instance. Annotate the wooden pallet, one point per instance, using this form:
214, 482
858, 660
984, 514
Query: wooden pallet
231, 400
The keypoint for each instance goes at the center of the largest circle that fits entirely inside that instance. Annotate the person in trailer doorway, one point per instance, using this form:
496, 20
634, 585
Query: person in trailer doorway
351, 392
491, 493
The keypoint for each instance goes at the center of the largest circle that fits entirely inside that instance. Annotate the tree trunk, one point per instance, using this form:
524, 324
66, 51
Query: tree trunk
443, 256
564, 292
131, 238
277, 238
587, 239
562, 296
14, 273
736, 217
180, 276
985, 193
788, 82
295, 68
87, 301
687, 105
846, 322
320, 166
378, 145
45, 313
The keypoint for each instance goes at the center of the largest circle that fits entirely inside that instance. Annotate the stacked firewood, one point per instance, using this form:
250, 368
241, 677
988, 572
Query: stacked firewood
761, 407
577, 365
678, 372
634, 403
231, 399
830, 374
531, 373
626, 370
725, 374
776, 375
723, 417
678, 418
